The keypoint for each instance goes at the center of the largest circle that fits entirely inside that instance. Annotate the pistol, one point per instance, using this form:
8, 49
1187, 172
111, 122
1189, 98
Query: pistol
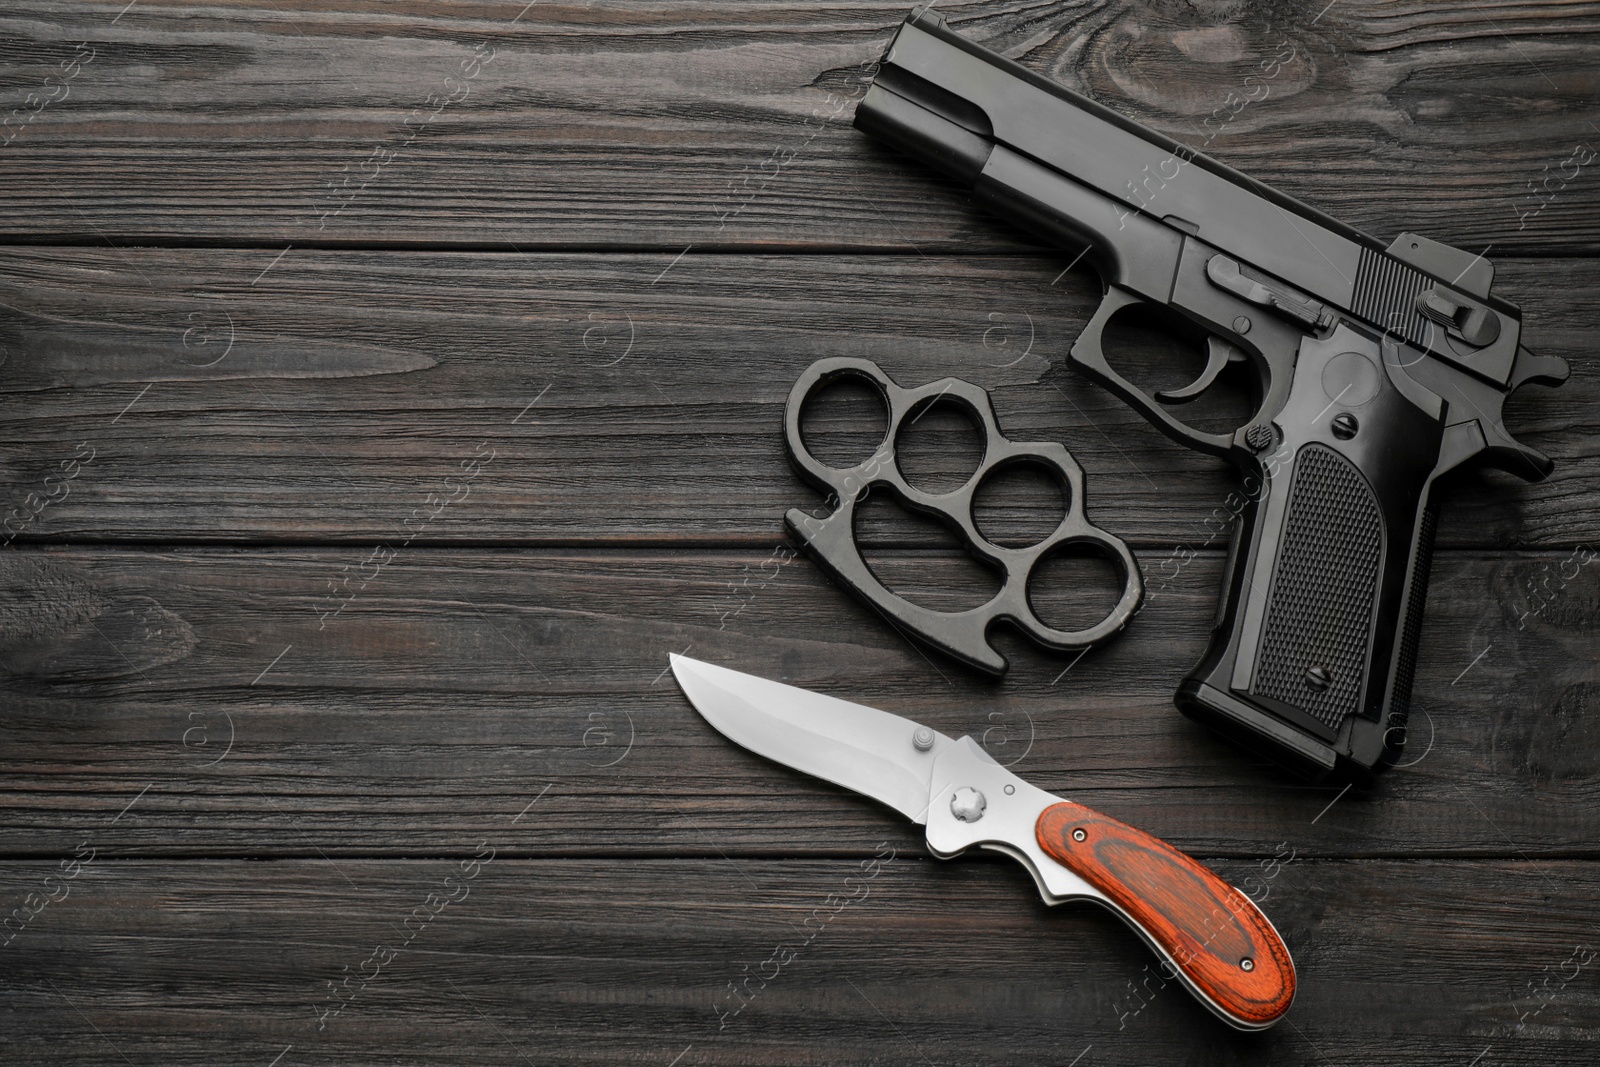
1373, 371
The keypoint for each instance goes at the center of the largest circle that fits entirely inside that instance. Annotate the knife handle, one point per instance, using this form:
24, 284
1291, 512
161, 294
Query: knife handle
1222, 945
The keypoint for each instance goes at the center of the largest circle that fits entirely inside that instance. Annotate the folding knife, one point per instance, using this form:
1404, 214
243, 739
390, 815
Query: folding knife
1211, 936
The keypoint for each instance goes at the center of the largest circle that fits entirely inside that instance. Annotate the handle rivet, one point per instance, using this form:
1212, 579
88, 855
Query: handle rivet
967, 804
1247, 964
922, 738
1345, 426
1319, 678
1241, 325
1010, 789
1079, 835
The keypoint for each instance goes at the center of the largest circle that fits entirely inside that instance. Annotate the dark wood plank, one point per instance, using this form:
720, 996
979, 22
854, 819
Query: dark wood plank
632, 124
457, 686
587, 962
181, 701
625, 399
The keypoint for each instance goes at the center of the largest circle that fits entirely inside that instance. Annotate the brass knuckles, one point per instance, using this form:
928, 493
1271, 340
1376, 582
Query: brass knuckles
830, 541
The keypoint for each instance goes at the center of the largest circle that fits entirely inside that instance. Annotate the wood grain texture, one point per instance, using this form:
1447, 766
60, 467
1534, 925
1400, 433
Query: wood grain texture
770, 962
455, 684
1213, 936
640, 124
434, 801
236, 396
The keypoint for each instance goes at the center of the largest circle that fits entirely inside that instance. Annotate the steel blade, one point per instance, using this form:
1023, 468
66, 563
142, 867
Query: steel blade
852, 745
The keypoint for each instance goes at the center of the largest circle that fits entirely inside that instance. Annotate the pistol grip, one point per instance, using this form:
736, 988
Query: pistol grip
1315, 643
1088, 355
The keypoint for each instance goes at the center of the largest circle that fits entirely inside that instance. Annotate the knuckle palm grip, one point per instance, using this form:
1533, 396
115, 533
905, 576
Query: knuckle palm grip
962, 635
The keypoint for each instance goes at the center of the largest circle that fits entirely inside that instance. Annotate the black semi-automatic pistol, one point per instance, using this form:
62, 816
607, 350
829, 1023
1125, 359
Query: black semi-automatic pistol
1376, 371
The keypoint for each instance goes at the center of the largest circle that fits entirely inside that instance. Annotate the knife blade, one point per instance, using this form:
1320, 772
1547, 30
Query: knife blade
1209, 935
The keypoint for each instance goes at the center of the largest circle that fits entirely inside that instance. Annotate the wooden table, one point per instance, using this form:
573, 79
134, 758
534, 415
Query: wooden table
396, 384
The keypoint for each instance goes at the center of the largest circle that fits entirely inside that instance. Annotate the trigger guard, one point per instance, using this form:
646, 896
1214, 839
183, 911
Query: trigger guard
1088, 355
830, 540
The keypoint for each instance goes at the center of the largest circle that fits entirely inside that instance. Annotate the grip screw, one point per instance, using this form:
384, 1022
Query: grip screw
1345, 426
922, 738
967, 804
1247, 965
1258, 437
1319, 678
1079, 835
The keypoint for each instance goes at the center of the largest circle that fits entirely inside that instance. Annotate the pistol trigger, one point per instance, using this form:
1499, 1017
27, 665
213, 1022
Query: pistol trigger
1219, 354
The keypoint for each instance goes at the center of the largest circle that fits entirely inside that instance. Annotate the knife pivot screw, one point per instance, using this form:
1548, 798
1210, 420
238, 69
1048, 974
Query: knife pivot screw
1247, 965
1080, 835
967, 804
922, 738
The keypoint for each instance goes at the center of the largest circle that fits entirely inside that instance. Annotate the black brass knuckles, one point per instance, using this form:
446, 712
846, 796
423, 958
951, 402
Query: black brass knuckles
962, 635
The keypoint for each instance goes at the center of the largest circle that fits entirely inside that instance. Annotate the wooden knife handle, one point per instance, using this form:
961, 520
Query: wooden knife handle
1225, 949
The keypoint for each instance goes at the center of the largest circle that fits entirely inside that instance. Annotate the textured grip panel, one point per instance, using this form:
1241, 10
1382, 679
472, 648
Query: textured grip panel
1323, 590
